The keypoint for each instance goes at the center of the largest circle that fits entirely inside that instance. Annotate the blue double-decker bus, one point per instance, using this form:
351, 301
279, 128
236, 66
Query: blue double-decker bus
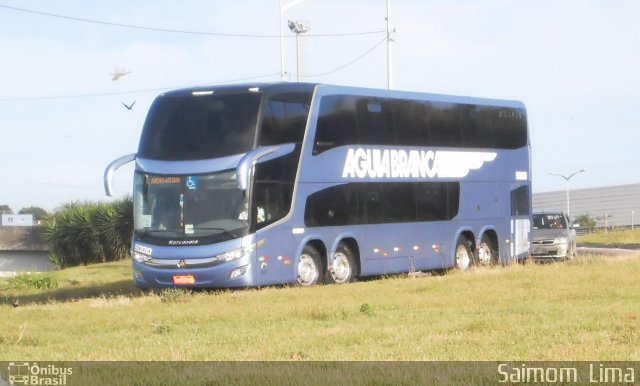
262, 184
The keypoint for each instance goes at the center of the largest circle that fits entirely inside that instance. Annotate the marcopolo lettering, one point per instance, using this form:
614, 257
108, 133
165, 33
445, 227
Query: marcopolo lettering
392, 163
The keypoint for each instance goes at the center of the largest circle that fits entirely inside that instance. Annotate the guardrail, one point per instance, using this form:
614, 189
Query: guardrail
586, 231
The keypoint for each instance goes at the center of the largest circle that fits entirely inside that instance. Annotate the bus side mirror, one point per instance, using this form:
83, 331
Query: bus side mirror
247, 161
111, 168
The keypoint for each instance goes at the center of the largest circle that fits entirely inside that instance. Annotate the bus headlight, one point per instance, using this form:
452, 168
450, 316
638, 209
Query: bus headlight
140, 257
239, 252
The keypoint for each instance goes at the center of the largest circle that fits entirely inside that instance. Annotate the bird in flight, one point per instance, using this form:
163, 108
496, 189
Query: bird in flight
129, 107
119, 73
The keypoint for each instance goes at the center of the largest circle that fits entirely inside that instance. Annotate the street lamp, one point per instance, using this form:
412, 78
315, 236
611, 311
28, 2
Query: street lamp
298, 27
567, 178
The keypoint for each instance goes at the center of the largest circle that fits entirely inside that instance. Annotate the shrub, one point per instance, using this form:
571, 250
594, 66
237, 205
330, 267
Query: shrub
87, 233
32, 280
367, 309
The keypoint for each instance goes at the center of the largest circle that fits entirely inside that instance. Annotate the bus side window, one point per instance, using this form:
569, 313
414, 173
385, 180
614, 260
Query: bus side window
285, 119
411, 122
336, 123
375, 122
444, 129
520, 199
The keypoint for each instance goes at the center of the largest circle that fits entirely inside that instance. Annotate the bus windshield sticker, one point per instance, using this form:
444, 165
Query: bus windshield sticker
379, 163
188, 229
192, 182
145, 220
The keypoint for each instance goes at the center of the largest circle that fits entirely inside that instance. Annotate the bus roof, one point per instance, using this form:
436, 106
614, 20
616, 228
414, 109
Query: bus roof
327, 89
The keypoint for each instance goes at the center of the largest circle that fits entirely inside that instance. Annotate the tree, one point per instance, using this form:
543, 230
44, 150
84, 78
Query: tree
5, 209
586, 221
37, 212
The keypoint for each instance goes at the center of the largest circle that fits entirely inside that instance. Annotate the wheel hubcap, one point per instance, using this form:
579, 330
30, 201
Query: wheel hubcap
463, 260
307, 272
484, 254
341, 268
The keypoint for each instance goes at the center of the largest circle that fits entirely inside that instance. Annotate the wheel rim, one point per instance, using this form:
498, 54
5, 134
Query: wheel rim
485, 255
463, 260
307, 270
341, 268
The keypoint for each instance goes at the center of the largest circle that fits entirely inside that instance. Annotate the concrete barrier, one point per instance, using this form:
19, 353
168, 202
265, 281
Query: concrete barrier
22, 249
22, 239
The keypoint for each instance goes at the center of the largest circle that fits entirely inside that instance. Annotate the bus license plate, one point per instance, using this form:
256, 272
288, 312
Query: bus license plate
184, 279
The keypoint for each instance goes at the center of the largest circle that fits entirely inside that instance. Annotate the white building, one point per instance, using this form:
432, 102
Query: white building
611, 206
17, 220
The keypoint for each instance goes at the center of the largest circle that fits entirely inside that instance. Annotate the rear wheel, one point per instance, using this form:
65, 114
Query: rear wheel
309, 267
463, 255
344, 265
486, 253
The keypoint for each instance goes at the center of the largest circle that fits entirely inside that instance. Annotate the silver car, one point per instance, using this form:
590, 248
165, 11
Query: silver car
554, 236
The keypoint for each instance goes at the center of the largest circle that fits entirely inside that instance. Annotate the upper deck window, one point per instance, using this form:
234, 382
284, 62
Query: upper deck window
350, 119
200, 126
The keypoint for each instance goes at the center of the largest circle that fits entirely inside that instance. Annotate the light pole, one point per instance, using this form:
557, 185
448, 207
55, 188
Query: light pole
298, 27
567, 178
632, 213
284, 8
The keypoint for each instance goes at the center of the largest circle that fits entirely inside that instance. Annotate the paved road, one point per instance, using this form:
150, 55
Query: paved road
24, 261
607, 251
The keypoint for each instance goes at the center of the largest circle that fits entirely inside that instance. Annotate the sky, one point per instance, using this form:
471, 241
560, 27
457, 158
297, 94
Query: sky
574, 63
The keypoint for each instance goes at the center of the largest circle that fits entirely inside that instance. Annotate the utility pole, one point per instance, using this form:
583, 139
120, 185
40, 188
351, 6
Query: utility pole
390, 30
281, 43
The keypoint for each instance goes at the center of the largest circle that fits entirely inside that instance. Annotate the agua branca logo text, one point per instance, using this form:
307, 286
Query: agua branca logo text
392, 163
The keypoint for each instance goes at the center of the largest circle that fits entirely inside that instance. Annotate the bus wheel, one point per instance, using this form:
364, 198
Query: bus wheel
463, 256
486, 253
309, 267
344, 265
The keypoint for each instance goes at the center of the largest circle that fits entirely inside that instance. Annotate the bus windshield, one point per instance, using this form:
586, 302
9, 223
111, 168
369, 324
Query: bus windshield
183, 210
200, 126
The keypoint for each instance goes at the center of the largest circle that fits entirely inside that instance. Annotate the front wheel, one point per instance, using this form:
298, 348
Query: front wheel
309, 267
344, 265
463, 255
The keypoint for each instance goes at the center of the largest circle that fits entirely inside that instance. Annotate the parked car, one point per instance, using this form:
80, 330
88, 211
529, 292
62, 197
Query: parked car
554, 236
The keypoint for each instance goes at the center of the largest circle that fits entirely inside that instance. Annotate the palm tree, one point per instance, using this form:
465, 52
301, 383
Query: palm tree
86, 233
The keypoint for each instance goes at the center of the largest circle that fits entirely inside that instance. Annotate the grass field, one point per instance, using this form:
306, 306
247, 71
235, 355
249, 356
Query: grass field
617, 238
586, 309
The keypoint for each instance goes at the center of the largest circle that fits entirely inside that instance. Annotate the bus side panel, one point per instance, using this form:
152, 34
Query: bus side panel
387, 249
275, 258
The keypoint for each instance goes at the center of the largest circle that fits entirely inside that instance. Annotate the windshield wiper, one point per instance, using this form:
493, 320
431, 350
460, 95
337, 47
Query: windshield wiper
222, 230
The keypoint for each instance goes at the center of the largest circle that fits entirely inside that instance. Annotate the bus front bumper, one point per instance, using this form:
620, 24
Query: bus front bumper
237, 273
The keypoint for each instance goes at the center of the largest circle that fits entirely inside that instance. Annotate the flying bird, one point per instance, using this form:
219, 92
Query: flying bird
129, 107
119, 73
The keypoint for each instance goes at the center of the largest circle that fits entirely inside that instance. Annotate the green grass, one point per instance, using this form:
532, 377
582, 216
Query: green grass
32, 280
617, 237
583, 310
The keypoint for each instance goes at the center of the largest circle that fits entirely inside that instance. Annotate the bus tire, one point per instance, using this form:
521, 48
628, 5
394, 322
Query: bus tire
345, 268
309, 267
463, 257
486, 254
